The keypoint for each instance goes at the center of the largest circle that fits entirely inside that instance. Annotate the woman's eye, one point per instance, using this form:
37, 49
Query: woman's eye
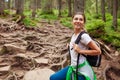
75, 18
81, 19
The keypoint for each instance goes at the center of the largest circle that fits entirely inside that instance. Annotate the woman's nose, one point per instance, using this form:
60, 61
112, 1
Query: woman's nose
78, 21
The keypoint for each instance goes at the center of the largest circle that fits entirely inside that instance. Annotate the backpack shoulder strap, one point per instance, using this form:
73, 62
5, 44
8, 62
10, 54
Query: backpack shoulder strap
79, 37
77, 41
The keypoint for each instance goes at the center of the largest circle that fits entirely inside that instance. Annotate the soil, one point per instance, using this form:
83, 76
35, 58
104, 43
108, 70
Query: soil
25, 48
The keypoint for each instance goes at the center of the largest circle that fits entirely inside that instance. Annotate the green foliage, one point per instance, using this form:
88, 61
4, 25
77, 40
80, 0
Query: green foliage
88, 17
65, 13
55, 11
27, 13
7, 11
28, 22
48, 16
104, 30
118, 25
96, 27
97, 16
111, 39
66, 22
108, 17
111, 36
95, 24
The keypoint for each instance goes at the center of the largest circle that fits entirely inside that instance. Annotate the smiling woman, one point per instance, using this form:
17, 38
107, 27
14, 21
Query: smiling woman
84, 70
78, 22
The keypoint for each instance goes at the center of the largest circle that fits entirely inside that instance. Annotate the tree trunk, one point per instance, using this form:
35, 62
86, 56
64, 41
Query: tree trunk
119, 8
103, 10
27, 4
9, 4
13, 6
34, 7
38, 4
20, 7
59, 7
96, 6
2, 5
115, 7
48, 7
69, 8
109, 6
79, 5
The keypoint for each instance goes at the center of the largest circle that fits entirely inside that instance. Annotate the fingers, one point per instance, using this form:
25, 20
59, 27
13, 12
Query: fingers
75, 46
67, 45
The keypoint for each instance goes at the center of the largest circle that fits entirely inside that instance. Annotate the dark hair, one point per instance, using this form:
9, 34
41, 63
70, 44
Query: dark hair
80, 13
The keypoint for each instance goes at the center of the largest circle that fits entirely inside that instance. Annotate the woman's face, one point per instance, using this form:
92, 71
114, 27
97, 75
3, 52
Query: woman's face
78, 21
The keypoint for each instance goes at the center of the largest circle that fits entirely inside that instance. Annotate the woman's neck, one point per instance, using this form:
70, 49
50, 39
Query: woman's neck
76, 31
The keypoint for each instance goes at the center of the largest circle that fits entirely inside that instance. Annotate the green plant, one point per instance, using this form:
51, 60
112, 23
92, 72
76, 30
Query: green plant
96, 16
108, 17
49, 16
66, 22
118, 25
96, 28
27, 13
7, 11
28, 22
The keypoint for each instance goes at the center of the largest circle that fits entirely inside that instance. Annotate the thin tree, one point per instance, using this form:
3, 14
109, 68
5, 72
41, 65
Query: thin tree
34, 7
2, 7
96, 6
59, 7
119, 8
110, 4
69, 8
38, 4
19, 10
48, 7
79, 5
103, 10
9, 4
20, 7
115, 7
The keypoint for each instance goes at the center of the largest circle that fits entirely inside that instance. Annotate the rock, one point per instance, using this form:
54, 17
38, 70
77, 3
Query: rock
38, 74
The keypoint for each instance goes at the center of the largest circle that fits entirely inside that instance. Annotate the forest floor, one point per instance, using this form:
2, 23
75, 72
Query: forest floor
23, 49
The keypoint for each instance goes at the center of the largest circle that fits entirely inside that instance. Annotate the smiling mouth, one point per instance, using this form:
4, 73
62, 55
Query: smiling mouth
78, 25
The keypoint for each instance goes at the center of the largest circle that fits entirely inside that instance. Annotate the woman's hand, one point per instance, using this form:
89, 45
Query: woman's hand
76, 48
67, 45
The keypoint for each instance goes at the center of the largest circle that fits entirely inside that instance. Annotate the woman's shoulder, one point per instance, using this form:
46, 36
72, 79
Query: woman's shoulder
85, 38
85, 35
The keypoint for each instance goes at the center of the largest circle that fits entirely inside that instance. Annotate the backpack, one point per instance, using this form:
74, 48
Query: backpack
93, 60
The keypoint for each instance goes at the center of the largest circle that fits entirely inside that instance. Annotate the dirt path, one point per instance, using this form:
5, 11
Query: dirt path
23, 49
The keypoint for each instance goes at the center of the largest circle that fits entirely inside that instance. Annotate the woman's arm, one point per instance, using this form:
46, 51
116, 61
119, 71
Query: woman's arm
95, 50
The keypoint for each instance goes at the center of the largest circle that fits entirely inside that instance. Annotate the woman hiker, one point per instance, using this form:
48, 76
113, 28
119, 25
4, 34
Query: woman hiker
85, 70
